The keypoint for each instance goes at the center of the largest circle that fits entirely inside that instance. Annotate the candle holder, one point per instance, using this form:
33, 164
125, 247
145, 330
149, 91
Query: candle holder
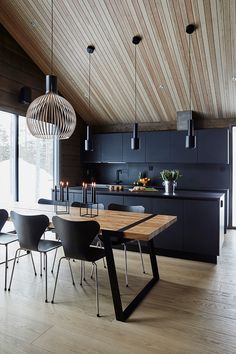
91, 209
62, 207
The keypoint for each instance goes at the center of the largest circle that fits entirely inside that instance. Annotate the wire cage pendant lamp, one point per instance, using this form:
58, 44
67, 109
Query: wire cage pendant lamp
135, 139
50, 115
190, 141
88, 144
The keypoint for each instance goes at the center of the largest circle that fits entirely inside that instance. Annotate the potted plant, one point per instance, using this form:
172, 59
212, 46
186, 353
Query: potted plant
169, 178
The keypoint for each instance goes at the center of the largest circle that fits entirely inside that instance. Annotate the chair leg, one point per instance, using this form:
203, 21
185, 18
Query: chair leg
18, 259
13, 268
141, 255
54, 260
58, 268
40, 259
97, 295
35, 273
6, 266
73, 282
46, 276
99, 244
92, 271
84, 279
81, 273
126, 266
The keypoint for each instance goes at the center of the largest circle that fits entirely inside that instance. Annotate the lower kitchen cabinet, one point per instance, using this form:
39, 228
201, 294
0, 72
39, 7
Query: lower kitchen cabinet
108, 199
172, 238
203, 226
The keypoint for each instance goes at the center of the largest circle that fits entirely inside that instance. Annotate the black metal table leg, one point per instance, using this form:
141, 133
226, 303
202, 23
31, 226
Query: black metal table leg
123, 315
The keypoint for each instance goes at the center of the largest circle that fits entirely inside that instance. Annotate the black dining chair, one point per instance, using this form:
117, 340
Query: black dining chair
76, 238
6, 238
124, 242
30, 229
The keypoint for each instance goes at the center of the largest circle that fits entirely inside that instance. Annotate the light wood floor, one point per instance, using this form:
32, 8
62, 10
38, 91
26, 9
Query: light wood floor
191, 310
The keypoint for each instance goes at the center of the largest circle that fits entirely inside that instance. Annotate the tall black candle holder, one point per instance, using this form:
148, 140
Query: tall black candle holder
89, 209
61, 207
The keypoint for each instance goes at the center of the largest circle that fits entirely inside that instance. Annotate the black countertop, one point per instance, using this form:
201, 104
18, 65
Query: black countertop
159, 193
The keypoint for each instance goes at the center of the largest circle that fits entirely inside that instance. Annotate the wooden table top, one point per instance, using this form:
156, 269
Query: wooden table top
108, 219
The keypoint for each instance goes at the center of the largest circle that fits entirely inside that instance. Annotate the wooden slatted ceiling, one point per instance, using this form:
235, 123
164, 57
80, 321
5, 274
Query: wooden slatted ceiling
162, 56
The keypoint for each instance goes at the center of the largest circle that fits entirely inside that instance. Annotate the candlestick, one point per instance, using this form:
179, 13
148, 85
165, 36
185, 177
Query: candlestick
67, 191
60, 190
55, 193
93, 192
85, 193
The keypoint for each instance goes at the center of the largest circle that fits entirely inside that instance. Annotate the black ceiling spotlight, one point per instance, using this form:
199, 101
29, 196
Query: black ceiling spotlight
135, 140
190, 142
88, 144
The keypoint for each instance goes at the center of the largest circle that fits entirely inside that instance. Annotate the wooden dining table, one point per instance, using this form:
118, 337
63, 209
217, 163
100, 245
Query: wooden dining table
134, 226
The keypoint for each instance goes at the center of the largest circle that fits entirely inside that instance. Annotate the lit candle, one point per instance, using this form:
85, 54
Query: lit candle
67, 191
60, 190
93, 192
62, 193
83, 192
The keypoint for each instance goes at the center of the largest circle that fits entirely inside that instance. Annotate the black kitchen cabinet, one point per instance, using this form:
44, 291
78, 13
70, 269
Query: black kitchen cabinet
136, 200
96, 154
133, 155
203, 226
213, 146
171, 238
157, 146
178, 152
108, 199
111, 147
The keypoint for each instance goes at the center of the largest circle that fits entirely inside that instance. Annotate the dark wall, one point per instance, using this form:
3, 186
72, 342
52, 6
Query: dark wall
195, 176
18, 70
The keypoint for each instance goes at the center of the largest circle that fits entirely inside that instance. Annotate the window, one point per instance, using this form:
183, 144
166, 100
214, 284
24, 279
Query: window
28, 165
7, 156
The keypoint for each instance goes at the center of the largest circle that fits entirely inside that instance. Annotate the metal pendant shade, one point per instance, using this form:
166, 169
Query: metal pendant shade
135, 139
88, 143
51, 116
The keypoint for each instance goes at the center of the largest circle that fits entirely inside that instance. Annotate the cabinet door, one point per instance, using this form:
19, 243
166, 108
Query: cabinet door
111, 147
158, 147
96, 154
213, 146
135, 200
133, 155
178, 152
201, 227
171, 238
107, 199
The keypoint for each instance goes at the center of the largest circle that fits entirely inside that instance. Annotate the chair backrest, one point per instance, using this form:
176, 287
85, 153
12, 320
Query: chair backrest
131, 208
29, 229
46, 201
94, 206
76, 236
3, 218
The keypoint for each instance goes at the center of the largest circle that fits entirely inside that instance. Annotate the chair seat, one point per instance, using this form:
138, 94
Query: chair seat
6, 238
48, 245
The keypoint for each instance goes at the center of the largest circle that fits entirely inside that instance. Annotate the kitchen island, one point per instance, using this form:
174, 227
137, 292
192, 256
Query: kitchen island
199, 231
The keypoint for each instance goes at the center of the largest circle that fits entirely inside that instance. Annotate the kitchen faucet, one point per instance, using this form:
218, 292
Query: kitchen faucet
118, 172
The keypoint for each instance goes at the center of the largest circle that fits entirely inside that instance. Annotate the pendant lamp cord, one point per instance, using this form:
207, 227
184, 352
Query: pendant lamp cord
52, 37
189, 65
135, 88
89, 80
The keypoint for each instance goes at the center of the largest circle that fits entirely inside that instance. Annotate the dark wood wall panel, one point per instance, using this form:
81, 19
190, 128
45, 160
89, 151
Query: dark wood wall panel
18, 70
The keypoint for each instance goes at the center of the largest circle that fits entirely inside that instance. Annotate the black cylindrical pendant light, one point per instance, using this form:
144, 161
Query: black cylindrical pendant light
88, 144
135, 139
190, 141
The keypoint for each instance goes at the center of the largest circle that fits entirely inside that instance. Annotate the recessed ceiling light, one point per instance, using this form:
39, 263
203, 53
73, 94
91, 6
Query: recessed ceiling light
234, 78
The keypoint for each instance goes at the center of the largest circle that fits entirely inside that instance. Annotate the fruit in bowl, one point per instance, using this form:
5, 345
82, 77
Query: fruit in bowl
144, 181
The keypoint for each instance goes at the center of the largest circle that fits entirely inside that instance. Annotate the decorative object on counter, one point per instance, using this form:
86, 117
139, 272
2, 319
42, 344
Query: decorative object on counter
51, 116
135, 139
190, 141
143, 189
116, 188
142, 180
61, 205
88, 146
169, 178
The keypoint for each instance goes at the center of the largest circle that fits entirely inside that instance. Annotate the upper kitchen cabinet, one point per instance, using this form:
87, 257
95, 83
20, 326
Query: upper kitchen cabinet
112, 147
133, 155
213, 146
158, 147
178, 152
106, 148
96, 154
